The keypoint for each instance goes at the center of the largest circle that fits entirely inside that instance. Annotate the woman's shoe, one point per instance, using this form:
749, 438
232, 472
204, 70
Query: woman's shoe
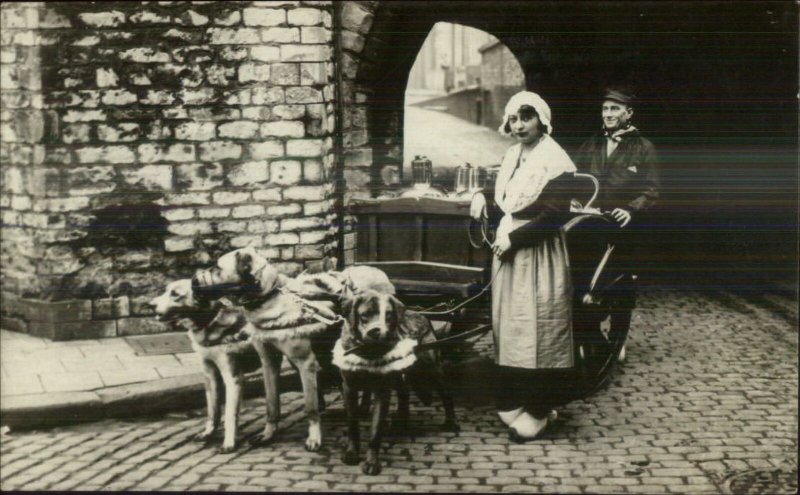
526, 428
508, 417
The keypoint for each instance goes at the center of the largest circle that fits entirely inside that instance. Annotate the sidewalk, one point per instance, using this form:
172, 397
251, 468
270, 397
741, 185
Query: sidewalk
46, 383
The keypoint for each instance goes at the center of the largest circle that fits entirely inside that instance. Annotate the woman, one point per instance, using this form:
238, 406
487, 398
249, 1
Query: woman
532, 292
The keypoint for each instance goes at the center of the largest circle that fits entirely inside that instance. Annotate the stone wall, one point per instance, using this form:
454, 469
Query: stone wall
140, 140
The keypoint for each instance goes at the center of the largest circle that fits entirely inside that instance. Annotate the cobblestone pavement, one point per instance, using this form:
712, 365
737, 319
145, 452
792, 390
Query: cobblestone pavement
705, 403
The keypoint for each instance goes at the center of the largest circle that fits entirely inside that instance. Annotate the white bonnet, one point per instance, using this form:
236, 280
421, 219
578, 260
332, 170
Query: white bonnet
527, 98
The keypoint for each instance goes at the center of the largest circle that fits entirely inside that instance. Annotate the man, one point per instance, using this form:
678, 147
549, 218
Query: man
622, 160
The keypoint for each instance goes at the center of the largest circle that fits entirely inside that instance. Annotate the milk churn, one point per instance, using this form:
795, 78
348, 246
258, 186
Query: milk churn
468, 179
421, 172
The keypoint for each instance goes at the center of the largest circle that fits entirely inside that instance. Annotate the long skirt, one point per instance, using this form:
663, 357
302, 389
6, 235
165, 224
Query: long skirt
532, 307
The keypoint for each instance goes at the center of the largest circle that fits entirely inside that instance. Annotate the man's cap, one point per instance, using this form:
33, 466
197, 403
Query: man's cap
622, 95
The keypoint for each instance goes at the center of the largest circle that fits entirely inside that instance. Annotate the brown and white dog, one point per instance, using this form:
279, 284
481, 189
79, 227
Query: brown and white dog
375, 354
215, 333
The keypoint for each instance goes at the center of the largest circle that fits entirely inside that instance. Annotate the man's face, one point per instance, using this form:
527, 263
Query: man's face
616, 115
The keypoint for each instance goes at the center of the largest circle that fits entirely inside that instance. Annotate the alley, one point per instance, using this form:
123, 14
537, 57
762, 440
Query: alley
705, 403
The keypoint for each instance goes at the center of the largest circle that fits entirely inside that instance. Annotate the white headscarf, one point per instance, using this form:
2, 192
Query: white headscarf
533, 100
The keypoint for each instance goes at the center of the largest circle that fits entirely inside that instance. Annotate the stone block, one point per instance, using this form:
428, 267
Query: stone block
241, 241
149, 17
313, 237
199, 176
192, 18
57, 312
315, 35
144, 55
240, 129
289, 112
283, 210
313, 73
214, 113
199, 96
305, 252
250, 72
64, 331
195, 131
84, 116
140, 326
238, 36
228, 18
193, 198
280, 35
113, 307
356, 18
118, 133
263, 95
106, 78
237, 226
213, 212
285, 172
219, 150
305, 53
256, 113
304, 147
303, 94
153, 152
118, 97
263, 17
190, 228
266, 149
284, 239
306, 193
285, 74
304, 17
265, 53
283, 129
352, 41
177, 244
234, 53
247, 211
105, 154
178, 214
263, 226
151, 177
294, 224
230, 197
102, 19
272, 194
158, 97
218, 75
313, 171
249, 173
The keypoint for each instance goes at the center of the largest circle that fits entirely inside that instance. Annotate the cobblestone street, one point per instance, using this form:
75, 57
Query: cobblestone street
705, 403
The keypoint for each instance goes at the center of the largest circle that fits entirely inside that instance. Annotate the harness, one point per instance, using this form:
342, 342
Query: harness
399, 358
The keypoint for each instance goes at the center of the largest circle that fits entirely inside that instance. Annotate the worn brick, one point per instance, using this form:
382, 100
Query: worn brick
304, 147
267, 195
283, 210
282, 129
305, 53
249, 173
267, 95
303, 94
199, 176
356, 18
254, 72
285, 74
239, 36
240, 129
263, 17
285, 172
195, 131
151, 152
113, 18
189, 228
219, 150
247, 211
213, 212
105, 154
265, 54
230, 198
118, 133
149, 176
280, 35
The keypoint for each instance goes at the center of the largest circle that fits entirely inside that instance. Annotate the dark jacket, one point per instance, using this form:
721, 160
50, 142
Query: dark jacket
546, 215
628, 178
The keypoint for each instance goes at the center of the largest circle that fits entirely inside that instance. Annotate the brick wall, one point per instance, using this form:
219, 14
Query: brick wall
142, 139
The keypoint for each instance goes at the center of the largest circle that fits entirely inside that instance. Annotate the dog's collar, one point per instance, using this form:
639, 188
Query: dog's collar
255, 302
398, 358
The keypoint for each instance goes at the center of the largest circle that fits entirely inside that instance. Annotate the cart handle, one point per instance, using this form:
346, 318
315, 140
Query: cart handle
588, 205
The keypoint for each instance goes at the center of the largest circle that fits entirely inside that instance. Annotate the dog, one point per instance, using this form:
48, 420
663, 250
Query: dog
279, 323
375, 354
215, 332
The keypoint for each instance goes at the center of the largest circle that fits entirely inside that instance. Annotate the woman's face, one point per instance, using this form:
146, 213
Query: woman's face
525, 126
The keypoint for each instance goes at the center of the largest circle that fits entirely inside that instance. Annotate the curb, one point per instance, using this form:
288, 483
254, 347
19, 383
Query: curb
25, 412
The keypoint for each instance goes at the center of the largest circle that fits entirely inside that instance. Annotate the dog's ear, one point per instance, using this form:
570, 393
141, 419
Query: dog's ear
350, 309
399, 311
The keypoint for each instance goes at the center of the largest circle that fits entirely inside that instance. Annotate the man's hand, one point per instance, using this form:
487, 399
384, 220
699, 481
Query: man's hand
501, 245
621, 216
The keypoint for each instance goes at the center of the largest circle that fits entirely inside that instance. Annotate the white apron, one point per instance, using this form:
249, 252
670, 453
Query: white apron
532, 292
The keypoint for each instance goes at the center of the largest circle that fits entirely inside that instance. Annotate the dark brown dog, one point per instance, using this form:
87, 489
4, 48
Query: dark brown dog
376, 355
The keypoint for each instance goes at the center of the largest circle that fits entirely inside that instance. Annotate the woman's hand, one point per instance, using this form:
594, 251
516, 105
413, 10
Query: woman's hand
501, 245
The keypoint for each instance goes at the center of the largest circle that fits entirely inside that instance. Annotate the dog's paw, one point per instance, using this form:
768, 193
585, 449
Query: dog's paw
451, 426
226, 449
313, 444
350, 457
371, 467
261, 440
203, 437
